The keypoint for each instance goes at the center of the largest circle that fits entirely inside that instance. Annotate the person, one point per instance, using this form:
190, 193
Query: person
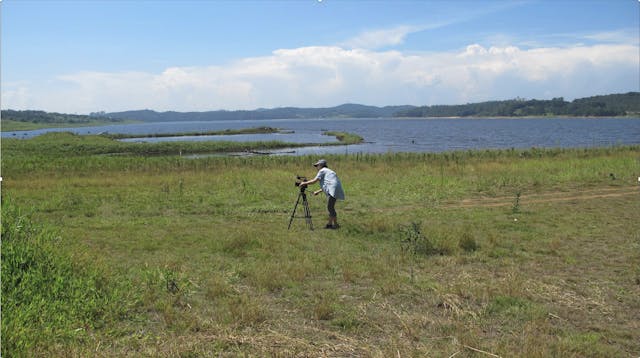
332, 187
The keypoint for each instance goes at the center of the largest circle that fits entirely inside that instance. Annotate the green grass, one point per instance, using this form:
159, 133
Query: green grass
65, 144
345, 138
192, 257
258, 130
50, 297
9, 125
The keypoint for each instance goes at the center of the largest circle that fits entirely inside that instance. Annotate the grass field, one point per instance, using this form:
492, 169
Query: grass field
507, 253
8, 125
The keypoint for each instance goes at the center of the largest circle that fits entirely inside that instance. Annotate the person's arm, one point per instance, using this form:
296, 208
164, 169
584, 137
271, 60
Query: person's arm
313, 181
309, 182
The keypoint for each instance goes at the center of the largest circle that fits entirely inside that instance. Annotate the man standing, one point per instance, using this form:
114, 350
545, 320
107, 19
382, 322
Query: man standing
330, 184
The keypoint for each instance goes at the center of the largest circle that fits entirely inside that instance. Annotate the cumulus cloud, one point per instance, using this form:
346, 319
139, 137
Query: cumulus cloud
331, 75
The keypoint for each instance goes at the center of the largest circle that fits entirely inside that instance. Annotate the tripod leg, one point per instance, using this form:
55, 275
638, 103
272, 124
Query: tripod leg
307, 212
293, 213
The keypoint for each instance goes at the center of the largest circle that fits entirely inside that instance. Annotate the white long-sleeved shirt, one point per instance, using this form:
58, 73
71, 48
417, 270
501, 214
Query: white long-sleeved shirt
330, 183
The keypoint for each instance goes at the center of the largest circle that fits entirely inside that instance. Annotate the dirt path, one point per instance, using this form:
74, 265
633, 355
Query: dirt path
556, 196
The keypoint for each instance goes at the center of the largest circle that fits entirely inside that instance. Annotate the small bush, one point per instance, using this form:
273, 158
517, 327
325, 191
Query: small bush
417, 243
323, 310
468, 242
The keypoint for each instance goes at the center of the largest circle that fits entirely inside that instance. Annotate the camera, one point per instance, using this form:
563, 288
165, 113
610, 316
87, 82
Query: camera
299, 182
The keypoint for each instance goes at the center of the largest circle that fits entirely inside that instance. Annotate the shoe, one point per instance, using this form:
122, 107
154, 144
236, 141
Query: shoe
329, 226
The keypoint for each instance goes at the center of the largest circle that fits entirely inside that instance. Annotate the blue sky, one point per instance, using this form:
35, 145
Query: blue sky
84, 56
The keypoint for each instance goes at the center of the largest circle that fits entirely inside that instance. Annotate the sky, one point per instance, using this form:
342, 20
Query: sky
87, 56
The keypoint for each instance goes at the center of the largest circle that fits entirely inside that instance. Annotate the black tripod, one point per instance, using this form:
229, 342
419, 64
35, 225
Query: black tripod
307, 213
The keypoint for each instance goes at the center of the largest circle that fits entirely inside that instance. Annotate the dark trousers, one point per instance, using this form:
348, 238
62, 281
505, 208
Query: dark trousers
331, 206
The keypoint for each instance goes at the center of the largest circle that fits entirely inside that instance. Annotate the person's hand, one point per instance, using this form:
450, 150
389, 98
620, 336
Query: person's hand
317, 192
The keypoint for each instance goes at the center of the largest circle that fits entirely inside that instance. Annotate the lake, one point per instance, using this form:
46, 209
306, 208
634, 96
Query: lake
384, 135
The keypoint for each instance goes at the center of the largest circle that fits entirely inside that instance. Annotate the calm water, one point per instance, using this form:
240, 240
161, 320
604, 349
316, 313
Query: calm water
402, 135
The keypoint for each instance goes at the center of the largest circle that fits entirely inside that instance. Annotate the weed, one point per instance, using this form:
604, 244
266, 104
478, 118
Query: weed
170, 279
515, 209
468, 242
323, 309
347, 319
437, 242
415, 243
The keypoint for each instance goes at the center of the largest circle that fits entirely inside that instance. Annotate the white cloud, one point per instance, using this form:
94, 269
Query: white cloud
623, 36
381, 38
17, 94
331, 75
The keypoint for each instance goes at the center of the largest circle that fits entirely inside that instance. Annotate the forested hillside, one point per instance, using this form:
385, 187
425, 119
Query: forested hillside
345, 110
597, 106
50, 117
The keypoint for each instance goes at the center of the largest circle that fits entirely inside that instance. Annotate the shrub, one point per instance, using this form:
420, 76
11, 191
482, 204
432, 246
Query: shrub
468, 242
417, 243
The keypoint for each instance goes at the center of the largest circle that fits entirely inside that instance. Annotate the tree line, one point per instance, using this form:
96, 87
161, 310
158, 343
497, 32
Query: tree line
50, 117
348, 110
597, 106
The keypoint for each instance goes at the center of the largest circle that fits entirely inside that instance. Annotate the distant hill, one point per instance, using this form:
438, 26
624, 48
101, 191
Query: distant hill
597, 106
50, 117
30, 120
345, 110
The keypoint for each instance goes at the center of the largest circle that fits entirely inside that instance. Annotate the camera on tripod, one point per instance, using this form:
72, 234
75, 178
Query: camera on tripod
302, 197
299, 182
